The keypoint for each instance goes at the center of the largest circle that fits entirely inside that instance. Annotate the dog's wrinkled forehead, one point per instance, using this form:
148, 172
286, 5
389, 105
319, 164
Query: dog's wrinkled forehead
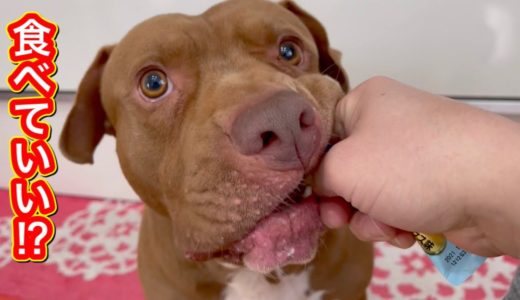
230, 26
261, 25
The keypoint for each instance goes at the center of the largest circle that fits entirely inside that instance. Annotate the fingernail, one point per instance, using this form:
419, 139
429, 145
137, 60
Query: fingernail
401, 241
332, 218
380, 235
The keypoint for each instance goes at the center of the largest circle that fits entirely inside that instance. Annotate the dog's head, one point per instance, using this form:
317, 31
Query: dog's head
218, 119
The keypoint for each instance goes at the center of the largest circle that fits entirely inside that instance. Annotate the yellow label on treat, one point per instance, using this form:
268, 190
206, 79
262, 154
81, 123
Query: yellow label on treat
432, 244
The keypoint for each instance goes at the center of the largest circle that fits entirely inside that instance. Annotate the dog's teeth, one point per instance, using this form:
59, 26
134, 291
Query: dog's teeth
307, 192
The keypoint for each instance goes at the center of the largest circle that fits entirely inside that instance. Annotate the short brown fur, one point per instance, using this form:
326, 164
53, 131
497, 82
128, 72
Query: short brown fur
176, 153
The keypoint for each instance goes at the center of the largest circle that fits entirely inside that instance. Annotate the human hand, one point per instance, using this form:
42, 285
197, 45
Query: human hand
413, 161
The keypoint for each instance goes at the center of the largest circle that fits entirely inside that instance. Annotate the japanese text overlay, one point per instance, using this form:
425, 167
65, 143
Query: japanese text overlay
33, 52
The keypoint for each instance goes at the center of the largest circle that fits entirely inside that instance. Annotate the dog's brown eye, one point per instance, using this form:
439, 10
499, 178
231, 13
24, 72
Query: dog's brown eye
290, 52
154, 84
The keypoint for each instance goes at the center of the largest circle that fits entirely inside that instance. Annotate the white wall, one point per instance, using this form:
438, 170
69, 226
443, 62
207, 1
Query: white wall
463, 47
102, 179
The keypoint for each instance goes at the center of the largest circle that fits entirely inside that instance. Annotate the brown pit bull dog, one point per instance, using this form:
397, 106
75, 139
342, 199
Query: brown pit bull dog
219, 119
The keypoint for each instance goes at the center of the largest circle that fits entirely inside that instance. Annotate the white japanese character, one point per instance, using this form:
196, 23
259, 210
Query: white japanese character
32, 38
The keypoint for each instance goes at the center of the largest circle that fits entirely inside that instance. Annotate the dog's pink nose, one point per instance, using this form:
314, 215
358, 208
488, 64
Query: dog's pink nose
281, 130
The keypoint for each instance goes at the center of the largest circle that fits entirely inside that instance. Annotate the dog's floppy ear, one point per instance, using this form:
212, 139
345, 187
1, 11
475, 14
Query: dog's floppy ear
87, 122
329, 58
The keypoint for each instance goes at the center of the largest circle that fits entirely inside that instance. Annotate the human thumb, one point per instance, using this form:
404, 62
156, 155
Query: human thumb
335, 175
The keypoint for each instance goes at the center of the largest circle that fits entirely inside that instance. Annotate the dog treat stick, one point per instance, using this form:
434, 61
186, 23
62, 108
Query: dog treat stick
454, 263
432, 244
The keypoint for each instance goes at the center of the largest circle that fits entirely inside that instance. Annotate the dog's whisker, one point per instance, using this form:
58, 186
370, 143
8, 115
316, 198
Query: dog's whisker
327, 69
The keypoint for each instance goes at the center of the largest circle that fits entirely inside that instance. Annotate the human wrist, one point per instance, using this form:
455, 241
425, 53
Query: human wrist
493, 203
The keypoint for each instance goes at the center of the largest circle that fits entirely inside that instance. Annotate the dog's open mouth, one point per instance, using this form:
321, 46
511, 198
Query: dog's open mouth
288, 235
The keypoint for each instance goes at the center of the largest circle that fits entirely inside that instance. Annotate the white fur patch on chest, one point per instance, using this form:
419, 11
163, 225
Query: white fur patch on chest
249, 285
